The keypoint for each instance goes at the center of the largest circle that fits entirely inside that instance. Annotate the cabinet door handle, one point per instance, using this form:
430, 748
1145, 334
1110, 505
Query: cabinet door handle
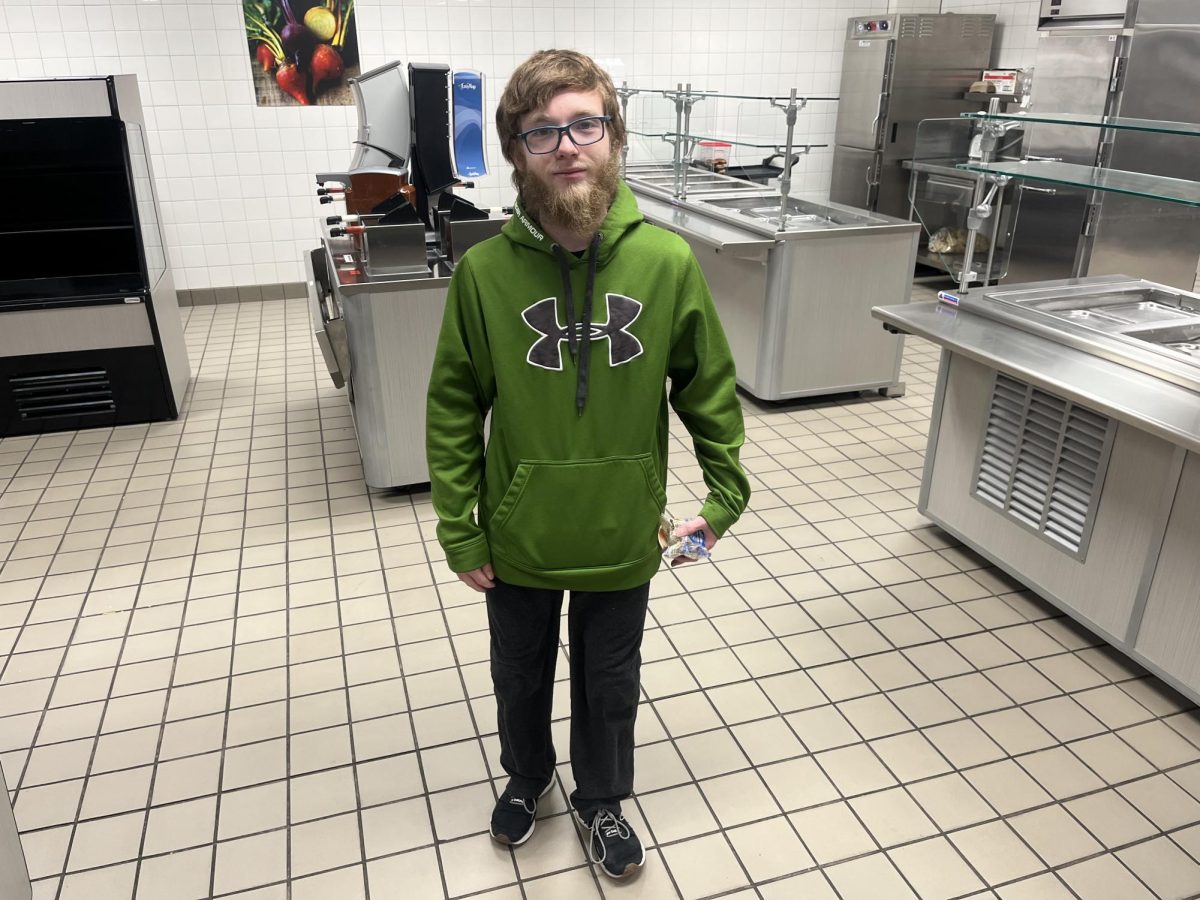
878, 115
1038, 190
1029, 157
870, 182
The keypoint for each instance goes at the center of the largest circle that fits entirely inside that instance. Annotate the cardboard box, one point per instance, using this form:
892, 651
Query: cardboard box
1005, 80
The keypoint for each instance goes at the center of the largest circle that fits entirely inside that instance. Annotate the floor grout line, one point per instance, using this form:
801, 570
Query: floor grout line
265, 439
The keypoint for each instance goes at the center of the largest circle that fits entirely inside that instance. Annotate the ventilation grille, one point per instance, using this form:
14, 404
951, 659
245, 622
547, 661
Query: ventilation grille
926, 26
1043, 462
977, 27
84, 392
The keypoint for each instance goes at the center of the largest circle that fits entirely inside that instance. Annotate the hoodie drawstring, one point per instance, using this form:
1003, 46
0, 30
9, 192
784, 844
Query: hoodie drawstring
569, 295
585, 352
580, 331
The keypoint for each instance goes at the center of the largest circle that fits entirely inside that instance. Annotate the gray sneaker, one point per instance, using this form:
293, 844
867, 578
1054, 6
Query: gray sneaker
612, 844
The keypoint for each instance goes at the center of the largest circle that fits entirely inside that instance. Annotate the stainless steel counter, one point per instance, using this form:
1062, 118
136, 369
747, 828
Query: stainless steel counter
353, 279
795, 304
1142, 400
794, 299
377, 334
1139, 324
748, 207
1066, 450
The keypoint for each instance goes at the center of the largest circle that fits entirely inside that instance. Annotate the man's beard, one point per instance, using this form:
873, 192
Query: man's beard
579, 208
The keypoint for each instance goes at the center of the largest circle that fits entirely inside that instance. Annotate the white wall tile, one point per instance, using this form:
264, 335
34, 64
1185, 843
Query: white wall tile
235, 180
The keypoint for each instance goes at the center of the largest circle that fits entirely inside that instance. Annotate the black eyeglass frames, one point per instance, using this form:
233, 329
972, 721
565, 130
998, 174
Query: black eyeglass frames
546, 138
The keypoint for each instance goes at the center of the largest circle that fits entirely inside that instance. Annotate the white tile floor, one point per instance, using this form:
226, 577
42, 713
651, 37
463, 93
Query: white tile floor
228, 669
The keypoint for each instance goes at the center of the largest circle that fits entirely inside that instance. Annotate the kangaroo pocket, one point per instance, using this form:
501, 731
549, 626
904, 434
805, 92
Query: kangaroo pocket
579, 514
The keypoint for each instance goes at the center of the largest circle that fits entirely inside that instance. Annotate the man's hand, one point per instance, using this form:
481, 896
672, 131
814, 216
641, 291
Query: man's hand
691, 526
480, 580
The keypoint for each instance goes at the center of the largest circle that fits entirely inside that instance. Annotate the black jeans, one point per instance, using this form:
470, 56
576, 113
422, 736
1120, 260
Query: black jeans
605, 639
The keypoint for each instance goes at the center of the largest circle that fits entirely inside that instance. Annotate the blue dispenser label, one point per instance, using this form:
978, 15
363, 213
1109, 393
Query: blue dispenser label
467, 97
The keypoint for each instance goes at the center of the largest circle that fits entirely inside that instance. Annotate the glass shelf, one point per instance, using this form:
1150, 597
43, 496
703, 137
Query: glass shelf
774, 145
721, 95
774, 97
668, 135
1116, 122
1135, 184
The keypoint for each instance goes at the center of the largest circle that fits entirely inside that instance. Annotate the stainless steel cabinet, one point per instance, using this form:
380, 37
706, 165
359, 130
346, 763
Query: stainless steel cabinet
1171, 620
1074, 74
896, 71
1158, 240
855, 179
377, 335
1147, 71
14, 875
1100, 588
1068, 454
795, 302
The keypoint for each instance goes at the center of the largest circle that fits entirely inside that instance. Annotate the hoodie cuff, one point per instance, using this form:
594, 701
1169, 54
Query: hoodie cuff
719, 519
469, 556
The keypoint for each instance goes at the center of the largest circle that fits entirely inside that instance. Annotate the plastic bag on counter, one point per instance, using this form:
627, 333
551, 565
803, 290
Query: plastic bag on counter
954, 240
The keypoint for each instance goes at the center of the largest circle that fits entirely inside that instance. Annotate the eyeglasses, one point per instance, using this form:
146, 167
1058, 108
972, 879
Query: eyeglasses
546, 138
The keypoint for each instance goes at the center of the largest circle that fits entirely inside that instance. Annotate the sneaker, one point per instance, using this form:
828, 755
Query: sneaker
514, 817
612, 845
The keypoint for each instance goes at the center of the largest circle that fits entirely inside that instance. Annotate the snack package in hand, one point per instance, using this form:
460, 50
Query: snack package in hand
690, 547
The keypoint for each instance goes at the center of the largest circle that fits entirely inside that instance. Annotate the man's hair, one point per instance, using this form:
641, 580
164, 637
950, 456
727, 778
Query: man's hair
542, 77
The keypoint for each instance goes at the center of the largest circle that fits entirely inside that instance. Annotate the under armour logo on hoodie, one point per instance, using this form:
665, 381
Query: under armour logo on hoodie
546, 352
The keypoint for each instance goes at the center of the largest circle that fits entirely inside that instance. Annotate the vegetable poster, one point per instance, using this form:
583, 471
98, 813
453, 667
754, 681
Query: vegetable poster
302, 51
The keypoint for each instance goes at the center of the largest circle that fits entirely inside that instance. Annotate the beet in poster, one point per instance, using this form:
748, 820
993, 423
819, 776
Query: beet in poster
301, 51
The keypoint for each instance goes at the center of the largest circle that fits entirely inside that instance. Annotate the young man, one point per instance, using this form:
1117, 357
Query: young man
566, 328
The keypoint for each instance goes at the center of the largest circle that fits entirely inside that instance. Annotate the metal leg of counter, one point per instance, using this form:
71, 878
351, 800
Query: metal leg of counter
14, 874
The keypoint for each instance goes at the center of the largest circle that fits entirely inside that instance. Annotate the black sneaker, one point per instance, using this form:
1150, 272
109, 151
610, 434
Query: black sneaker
612, 844
514, 817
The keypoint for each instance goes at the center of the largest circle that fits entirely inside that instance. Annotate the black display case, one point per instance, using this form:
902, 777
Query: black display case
90, 333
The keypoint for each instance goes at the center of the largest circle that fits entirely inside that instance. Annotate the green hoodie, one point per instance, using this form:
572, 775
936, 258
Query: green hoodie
573, 481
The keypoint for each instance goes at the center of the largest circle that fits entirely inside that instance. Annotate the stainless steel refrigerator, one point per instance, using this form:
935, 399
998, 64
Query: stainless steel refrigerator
896, 71
1077, 69
1135, 62
1159, 241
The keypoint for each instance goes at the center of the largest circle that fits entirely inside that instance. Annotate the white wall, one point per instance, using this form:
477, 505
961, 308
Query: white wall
914, 6
234, 179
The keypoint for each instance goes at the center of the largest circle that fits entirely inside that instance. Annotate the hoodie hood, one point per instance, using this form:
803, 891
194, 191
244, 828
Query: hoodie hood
623, 215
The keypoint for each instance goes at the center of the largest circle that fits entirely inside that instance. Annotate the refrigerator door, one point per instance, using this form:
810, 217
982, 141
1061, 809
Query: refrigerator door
1160, 241
855, 177
1072, 74
863, 91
